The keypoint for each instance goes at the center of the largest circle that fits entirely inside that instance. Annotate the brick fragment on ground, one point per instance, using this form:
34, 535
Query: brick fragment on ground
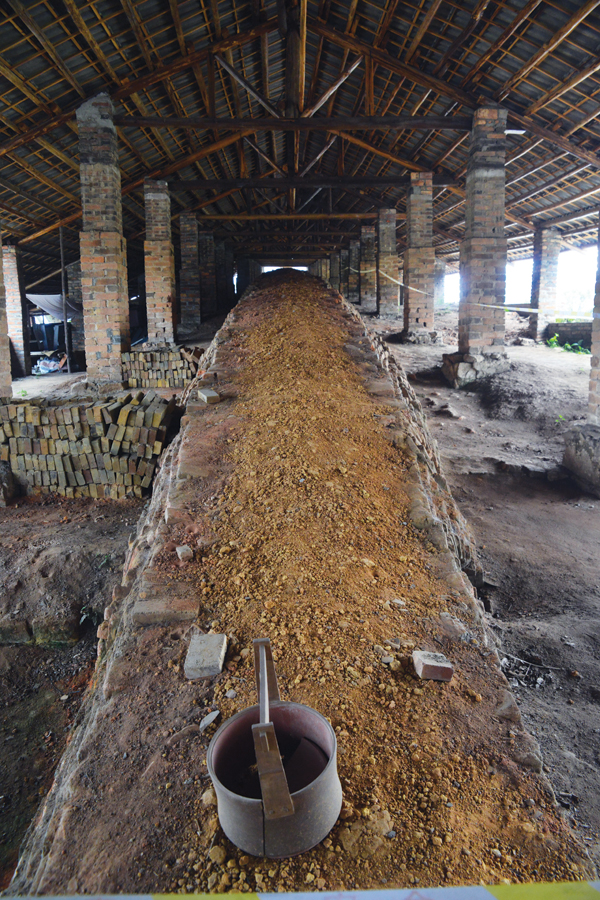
205, 656
432, 666
208, 395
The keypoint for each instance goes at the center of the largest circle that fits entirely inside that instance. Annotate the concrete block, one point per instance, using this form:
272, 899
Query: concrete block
205, 656
432, 666
208, 395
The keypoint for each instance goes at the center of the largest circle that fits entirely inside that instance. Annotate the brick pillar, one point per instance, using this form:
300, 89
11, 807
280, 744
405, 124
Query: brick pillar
439, 283
419, 256
208, 274
344, 266
103, 251
5, 373
483, 250
159, 263
16, 314
547, 244
334, 270
354, 272
77, 326
368, 269
190, 316
387, 262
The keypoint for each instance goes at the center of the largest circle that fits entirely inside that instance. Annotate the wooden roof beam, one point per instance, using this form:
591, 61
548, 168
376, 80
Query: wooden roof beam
557, 39
558, 205
569, 217
421, 30
318, 181
565, 86
247, 86
321, 123
264, 155
465, 34
46, 46
288, 217
447, 90
508, 32
129, 88
311, 110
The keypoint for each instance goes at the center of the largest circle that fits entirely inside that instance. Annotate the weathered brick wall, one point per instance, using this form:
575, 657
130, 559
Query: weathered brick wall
102, 247
334, 270
190, 316
547, 244
483, 251
108, 449
77, 326
344, 271
16, 313
368, 269
387, 262
5, 373
354, 272
570, 333
419, 256
106, 315
159, 263
208, 279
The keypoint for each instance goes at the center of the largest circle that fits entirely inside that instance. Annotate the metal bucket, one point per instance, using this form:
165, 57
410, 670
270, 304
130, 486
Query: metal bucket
274, 770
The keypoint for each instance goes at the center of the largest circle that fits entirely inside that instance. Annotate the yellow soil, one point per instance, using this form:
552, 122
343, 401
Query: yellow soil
313, 542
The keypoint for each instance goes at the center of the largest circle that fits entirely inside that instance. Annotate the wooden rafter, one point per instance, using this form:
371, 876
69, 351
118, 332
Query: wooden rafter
548, 48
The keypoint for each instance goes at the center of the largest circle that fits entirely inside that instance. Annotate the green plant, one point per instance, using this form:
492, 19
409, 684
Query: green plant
105, 561
575, 347
23, 393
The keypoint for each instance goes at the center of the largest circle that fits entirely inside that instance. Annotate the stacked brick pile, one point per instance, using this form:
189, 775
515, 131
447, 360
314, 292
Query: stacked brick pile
161, 367
108, 449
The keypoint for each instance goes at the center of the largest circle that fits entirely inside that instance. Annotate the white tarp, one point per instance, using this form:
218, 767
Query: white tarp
52, 304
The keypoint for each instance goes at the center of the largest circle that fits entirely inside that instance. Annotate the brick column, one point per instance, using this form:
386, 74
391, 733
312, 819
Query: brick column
368, 269
77, 326
354, 272
547, 244
208, 276
419, 256
439, 284
387, 262
190, 316
334, 270
483, 250
159, 263
5, 373
16, 313
344, 267
103, 251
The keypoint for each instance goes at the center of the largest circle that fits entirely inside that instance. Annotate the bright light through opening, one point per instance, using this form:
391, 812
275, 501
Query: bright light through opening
274, 268
576, 283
